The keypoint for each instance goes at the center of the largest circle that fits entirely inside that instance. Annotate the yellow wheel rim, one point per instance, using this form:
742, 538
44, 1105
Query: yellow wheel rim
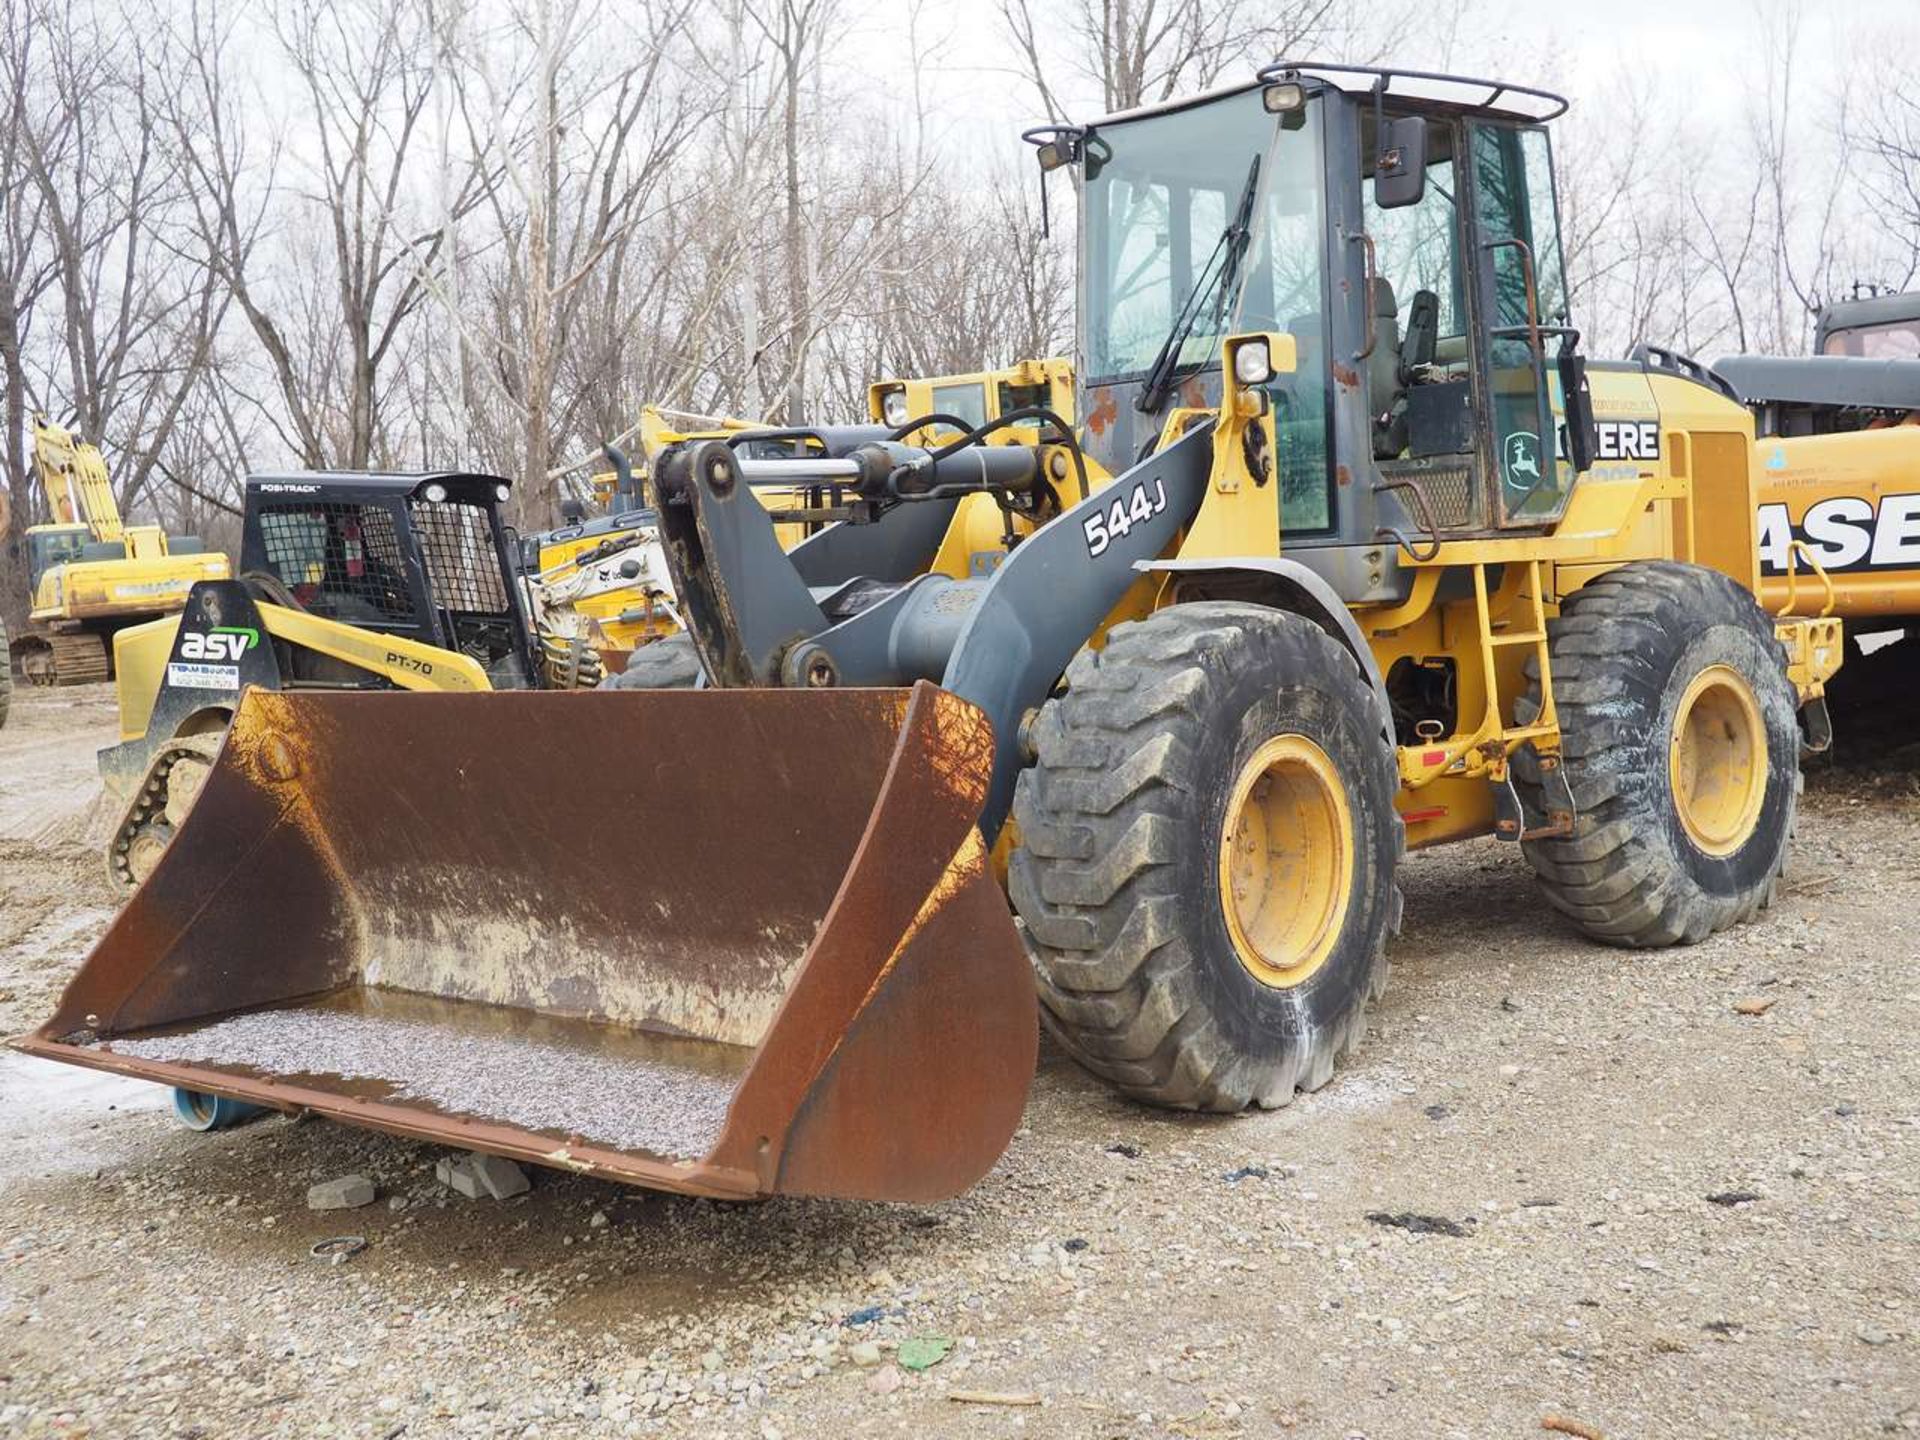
1286, 861
1717, 760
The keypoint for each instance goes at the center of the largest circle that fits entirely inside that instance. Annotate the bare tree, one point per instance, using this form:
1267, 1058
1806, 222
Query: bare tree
365, 70
26, 272
1884, 130
797, 31
1140, 51
581, 143
137, 318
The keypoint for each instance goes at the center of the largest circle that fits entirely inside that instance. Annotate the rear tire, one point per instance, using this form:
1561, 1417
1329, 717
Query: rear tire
1184, 981
1681, 744
669, 663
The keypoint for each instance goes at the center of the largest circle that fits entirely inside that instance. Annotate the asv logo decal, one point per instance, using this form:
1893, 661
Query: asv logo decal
227, 643
1844, 532
1109, 522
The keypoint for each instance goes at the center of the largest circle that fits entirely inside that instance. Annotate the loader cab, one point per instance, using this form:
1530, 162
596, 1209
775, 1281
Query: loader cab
426, 557
1401, 229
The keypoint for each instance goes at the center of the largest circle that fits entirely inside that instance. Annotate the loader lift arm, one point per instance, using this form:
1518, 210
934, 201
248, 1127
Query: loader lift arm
762, 618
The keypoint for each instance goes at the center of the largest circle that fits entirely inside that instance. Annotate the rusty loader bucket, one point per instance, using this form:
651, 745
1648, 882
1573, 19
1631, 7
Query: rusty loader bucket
720, 942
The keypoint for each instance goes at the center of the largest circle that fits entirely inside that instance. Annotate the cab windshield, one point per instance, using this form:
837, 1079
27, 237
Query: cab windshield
49, 548
1161, 192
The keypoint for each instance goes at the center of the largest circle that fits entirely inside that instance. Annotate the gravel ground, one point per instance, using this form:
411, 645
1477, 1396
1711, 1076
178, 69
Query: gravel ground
1632, 1207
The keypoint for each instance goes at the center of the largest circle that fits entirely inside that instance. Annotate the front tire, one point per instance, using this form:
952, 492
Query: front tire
1207, 854
1681, 744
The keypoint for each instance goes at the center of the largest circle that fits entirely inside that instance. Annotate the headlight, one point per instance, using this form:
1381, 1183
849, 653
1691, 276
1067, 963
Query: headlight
1283, 97
1252, 365
893, 408
436, 492
502, 493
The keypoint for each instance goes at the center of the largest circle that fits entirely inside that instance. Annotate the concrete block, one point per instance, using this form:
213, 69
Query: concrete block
476, 1175
499, 1177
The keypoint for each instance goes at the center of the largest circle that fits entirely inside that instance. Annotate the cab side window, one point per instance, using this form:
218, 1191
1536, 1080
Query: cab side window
1419, 378
1520, 237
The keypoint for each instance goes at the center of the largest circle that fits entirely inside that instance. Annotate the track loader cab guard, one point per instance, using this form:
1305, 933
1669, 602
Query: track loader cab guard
349, 581
420, 556
1309, 572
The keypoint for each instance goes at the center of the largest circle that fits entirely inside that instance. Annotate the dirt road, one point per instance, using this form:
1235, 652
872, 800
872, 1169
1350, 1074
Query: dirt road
1632, 1207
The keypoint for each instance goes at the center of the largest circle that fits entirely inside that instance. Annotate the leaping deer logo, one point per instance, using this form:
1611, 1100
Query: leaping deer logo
1523, 457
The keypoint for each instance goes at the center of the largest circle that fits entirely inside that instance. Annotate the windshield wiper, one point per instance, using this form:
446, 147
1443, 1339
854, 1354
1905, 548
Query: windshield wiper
1228, 252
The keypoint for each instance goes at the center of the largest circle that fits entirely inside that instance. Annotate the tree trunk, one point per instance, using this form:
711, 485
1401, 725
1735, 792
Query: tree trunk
798, 288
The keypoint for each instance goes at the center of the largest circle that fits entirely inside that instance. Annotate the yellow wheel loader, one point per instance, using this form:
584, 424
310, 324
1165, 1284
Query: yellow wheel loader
1350, 550
91, 575
358, 582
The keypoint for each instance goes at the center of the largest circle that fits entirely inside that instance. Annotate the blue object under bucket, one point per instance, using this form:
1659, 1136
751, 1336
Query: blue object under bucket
199, 1111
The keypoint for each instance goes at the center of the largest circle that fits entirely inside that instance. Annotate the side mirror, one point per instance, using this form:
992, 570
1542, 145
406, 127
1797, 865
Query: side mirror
1583, 435
572, 511
1400, 166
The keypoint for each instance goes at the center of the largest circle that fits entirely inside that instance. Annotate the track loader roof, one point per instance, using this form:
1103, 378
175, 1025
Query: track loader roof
372, 484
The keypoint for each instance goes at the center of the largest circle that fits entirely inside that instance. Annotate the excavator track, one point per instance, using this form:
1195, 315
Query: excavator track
63, 657
167, 792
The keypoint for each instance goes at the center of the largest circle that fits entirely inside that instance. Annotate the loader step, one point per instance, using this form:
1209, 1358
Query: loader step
593, 1083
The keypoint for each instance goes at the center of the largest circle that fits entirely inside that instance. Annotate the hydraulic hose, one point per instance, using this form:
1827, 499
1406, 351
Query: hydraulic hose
975, 434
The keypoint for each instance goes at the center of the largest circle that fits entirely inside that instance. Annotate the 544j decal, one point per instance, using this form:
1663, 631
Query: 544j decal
1110, 522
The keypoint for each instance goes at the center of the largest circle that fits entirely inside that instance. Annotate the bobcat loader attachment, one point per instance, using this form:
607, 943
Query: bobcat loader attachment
812, 987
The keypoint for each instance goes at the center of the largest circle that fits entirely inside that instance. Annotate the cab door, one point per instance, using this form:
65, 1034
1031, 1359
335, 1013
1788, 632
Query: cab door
1522, 307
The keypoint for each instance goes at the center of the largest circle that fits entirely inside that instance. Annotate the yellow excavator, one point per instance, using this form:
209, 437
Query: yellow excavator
90, 574
1133, 707
597, 587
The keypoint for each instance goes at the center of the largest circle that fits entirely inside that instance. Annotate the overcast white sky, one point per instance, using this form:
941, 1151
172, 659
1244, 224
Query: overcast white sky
1697, 53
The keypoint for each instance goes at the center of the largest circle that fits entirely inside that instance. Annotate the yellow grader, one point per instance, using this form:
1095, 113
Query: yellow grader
1135, 697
